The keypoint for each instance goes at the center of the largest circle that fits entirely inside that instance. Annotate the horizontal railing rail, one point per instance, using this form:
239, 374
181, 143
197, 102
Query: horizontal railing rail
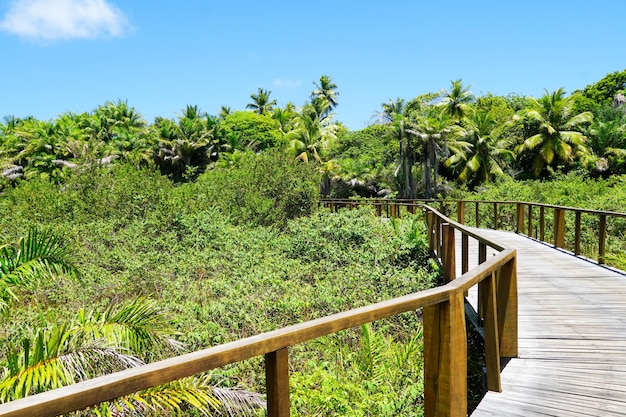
562, 229
445, 339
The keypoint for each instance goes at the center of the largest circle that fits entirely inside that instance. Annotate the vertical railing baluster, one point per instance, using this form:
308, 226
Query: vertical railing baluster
464, 253
530, 220
507, 309
577, 233
460, 211
519, 228
495, 216
559, 228
445, 359
277, 383
542, 224
492, 339
477, 215
449, 255
602, 239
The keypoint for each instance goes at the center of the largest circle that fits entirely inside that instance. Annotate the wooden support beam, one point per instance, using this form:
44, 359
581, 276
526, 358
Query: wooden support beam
464, 253
520, 218
577, 234
602, 239
460, 212
559, 228
445, 359
492, 340
530, 221
449, 253
277, 383
507, 309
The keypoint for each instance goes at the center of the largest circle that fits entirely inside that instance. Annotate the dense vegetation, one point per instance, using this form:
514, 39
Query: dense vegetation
128, 241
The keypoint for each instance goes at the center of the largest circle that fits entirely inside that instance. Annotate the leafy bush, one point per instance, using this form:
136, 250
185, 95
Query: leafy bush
262, 189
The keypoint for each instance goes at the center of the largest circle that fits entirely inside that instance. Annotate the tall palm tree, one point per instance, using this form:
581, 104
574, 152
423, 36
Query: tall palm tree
456, 101
486, 155
557, 137
390, 109
327, 90
434, 135
261, 102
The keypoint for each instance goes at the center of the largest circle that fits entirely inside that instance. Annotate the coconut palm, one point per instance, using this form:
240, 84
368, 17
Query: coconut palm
313, 131
456, 102
557, 137
486, 156
261, 102
326, 90
391, 108
40, 254
433, 135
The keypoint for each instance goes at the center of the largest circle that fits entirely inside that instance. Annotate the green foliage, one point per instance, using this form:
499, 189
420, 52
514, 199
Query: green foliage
604, 91
262, 189
374, 375
38, 254
243, 130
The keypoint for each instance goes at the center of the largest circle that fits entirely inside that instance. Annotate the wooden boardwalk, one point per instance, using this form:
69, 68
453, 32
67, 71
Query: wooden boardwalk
572, 336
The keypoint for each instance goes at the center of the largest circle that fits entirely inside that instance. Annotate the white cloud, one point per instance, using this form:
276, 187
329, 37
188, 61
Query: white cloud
286, 82
64, 19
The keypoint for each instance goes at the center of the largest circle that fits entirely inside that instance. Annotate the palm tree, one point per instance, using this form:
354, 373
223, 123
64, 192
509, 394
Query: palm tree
555, 139
38, 255
327, 90
486, 155
313, 131
95, 344
456, 101
386, 115
261, 103
434, 135
406, 156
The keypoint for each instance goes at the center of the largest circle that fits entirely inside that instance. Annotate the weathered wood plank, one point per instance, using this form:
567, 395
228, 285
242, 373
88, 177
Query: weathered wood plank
572, 336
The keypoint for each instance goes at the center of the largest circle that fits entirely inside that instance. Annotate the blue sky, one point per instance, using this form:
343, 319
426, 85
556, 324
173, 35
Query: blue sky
73, 55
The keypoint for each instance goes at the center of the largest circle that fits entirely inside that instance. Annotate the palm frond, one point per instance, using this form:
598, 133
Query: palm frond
40, 253
139, 326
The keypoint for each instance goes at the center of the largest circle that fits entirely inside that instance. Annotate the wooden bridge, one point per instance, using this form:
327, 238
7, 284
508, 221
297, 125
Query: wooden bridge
554, 323
571, 337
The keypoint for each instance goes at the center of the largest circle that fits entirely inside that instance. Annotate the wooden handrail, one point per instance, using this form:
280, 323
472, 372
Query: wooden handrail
445, 352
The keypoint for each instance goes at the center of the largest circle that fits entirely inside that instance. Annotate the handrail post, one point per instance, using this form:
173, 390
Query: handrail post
577, 233
542, 224
464, 253
492, 340
530, 220
445, 359
559, 228
460, 211
495, 216
277, 383
602, 239
430, 220
507, 309
520, 218
449, 254
482, 257
477, 215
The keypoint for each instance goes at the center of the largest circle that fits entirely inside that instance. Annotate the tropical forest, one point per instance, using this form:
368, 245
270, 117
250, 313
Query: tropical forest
125, 241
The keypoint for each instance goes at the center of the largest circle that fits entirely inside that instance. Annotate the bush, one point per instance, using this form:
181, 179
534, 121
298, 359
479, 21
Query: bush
261, 189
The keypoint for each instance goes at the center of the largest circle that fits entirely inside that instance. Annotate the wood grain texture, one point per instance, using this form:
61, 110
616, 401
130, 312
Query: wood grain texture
572, 336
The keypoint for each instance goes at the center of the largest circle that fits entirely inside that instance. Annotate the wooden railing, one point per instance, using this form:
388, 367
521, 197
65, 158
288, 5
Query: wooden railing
545, 222
445, 340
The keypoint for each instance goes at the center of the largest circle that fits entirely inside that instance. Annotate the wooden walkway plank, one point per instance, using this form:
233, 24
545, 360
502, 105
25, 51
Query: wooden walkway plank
572, 335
